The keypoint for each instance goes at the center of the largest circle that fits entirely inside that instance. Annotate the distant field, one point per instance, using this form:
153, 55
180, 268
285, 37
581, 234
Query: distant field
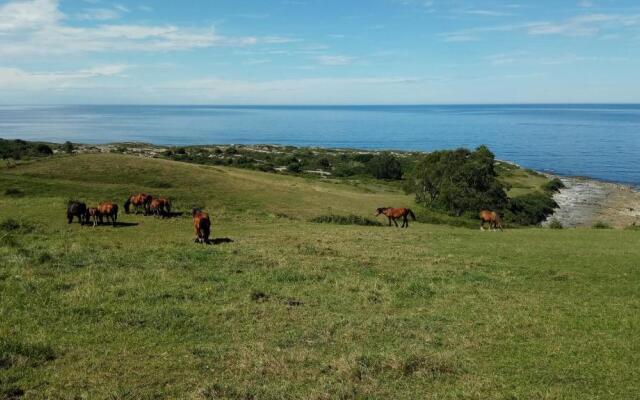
293, 309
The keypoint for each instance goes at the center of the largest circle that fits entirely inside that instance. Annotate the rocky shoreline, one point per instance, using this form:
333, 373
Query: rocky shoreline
585, 202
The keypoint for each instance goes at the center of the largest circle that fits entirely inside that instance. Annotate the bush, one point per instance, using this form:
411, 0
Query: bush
385, 166
601, 225
553, 185
294, 167
67, 147
345, 220
458, 181
555, 224
17, 149
529, 209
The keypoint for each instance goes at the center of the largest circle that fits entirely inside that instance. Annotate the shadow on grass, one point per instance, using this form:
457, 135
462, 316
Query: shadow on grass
217, 241
117, 225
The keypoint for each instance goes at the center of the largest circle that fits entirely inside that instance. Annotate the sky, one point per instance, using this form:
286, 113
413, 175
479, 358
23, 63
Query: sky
319, 51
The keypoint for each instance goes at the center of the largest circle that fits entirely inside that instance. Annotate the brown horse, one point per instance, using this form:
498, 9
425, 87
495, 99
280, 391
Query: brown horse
160, 207
92, 215
109, 210
491, 217
202, 225
394, 213
140, 200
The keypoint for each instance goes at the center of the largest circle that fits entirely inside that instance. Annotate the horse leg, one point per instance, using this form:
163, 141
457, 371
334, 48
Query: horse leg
481, 226
389, 221
405, 222
394, 221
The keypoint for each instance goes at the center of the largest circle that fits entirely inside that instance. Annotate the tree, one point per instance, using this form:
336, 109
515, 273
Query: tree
68, 147
294, 167
458, 181
44, 149
385, 166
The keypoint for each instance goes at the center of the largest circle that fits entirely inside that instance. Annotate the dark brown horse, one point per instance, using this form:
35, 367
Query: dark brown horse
109, 210
202, 225
492, 218
394, 213
140, 200
76, 209
160, 207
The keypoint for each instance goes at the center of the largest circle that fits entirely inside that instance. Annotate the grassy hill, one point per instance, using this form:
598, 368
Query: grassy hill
293, 309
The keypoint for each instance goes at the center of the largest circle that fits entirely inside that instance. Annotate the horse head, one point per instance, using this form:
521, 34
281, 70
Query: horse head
381, 210
127, 204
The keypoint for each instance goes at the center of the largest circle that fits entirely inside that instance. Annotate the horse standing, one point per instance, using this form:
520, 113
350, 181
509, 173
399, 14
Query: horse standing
140, 200
76, 209
109, 210
202, 225
492, 218
92, 215
394, 213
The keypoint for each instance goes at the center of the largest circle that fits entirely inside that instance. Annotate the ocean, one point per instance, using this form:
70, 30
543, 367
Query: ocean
599, 141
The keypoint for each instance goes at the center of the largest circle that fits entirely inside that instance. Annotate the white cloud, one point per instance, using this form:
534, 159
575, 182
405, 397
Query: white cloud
37, 27
582, 25
334, 60
99, 14
18, 79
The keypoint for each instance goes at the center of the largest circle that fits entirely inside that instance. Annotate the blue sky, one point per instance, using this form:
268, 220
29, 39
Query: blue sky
319, 51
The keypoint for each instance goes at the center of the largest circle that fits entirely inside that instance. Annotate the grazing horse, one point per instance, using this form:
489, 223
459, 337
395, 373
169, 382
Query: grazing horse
76, 209
492, 218
161, 206
92, 215
156, 208
202, 225
140, 200
109, 210
394, 213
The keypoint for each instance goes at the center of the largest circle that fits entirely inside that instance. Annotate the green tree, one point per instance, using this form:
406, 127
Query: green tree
385, 166
458, 181
68, 147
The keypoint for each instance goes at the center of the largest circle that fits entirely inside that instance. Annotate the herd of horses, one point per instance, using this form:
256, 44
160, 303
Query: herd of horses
141, 202
161, 207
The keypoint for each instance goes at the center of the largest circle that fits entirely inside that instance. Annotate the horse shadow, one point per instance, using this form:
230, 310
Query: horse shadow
220, 241
110, 225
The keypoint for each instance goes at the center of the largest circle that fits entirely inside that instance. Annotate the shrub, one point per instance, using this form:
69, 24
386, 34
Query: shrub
345, 220
553, 185
294, 167
231, 150
633, 227
385, 166
555, 224
458, 181
363, 157
529, 209
601, 225
67, 147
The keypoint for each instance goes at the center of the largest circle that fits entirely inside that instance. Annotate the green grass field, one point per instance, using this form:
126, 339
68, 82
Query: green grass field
293, 309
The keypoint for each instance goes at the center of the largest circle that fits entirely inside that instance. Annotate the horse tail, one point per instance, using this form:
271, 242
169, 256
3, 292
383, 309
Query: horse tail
411, 214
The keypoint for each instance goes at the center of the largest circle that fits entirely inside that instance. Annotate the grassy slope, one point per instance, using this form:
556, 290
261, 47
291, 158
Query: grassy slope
432, 311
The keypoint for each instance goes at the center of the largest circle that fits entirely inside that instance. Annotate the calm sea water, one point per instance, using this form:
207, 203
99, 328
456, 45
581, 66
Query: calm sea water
600, 141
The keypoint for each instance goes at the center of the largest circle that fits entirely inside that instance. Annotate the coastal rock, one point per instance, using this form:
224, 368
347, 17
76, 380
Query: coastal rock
586, 201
